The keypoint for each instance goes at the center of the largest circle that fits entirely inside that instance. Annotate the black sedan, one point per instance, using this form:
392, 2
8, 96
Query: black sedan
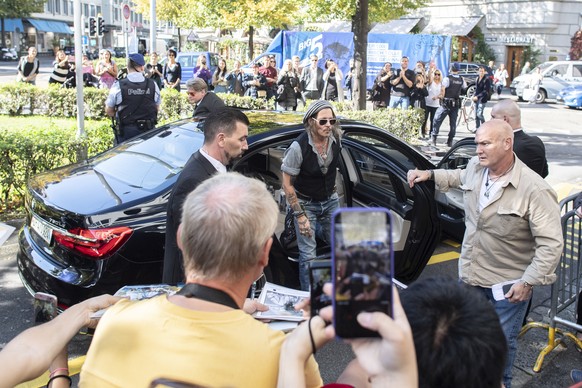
98, 225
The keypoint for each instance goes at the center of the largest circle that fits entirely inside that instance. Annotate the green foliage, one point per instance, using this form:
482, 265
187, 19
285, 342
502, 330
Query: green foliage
174, 106
31, 145
20, 8
483, 52
531, 55
15, 97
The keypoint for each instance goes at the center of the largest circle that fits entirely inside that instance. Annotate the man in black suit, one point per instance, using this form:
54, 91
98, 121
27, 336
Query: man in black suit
206, 102
529, 149
225, 139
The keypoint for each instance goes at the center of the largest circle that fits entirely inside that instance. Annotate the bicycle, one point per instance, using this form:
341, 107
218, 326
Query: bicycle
467, 114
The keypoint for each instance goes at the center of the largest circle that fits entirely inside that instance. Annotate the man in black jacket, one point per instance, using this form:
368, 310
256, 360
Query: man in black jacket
225, 139
206, 102
529, 149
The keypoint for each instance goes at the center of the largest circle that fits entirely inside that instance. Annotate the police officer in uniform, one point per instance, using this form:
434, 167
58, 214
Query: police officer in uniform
134, 101
452, 87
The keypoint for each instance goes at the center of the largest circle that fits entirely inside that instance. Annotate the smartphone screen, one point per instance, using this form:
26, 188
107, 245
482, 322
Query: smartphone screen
362, 267
319, 274
45, 307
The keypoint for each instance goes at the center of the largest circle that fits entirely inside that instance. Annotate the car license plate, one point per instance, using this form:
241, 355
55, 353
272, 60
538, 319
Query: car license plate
43, 231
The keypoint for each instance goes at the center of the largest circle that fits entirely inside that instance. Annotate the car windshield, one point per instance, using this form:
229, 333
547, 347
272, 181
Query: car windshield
149, 163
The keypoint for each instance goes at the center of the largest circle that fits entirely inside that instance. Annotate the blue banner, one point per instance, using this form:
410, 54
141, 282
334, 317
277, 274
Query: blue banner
382, 48
391, 48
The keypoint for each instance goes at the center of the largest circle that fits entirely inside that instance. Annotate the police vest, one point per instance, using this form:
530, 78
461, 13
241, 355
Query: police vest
311, 181
454, 88
137, 101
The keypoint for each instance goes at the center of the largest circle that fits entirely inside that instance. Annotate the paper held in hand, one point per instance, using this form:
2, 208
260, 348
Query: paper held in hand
281, 302
140, 292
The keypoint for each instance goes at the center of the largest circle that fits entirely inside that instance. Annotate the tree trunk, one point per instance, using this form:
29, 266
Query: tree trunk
179, 41
251, 42
360, 28
2, 45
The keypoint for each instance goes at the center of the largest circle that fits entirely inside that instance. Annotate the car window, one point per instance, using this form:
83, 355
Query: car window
373, 171
459, 158
558, 71
472, 69
381, 146
214, 60
185, 60
577, 71
149, 163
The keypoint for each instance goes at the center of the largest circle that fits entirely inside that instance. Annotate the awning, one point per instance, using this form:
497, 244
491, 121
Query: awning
459, 26
13, 24
51, 26
398, 26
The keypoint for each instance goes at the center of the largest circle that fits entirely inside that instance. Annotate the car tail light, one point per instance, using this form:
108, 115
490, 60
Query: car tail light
95, 243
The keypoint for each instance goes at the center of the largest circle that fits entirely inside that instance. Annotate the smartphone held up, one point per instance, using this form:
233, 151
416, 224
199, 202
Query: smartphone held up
362, 267
45, 307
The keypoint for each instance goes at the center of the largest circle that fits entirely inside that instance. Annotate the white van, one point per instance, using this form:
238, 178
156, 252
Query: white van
557, 75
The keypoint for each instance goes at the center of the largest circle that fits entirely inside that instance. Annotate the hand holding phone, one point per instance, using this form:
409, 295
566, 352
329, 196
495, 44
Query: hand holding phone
362, 261
319, 274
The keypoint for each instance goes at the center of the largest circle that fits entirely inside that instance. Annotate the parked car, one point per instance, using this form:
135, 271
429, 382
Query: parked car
188, 60
571, 96
470, 73
119, 52
556, 76
8, 54
97, 225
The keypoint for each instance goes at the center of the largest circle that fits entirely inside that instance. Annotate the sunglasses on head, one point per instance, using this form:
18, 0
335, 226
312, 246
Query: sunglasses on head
325, 121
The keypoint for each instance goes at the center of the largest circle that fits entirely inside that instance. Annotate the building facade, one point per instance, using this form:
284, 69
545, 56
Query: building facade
509, 27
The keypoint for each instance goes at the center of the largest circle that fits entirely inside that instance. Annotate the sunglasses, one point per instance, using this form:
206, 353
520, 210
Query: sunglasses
192, 93
437, 73
325, 121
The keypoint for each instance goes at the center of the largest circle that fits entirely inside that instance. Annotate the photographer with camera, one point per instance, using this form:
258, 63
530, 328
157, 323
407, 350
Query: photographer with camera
134, 101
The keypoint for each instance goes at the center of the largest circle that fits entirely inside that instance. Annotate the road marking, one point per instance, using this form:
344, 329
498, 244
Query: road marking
442, 257
75, 365
452, 243
566, 189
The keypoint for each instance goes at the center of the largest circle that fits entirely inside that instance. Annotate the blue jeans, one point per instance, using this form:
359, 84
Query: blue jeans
319, 215
479, 117
402, 101
440, 115
511, 317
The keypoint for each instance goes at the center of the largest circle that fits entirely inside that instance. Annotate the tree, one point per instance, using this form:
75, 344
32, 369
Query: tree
16, 9
224, 14
361, 13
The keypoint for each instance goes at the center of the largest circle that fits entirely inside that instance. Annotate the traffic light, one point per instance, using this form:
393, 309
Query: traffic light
100, 26
92, 26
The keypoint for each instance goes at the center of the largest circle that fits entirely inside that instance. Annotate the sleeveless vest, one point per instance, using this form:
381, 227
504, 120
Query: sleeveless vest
137, 101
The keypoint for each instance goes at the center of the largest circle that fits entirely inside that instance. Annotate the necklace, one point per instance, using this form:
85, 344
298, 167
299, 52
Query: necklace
489, 186
322, 148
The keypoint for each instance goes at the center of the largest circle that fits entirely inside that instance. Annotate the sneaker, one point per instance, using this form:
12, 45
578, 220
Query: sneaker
576, 375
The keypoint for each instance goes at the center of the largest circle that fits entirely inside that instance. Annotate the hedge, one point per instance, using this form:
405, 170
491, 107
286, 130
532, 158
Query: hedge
32, 144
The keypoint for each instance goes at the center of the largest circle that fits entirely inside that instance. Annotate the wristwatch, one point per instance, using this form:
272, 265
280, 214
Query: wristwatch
527, 284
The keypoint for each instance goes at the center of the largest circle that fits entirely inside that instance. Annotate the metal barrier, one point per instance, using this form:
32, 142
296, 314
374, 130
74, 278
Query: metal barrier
566, 289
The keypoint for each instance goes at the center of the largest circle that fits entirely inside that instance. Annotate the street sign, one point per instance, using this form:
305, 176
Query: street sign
126, 22
85, 40
126, 11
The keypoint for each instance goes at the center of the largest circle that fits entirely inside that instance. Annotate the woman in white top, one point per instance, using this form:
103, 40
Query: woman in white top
500, 78
432, 100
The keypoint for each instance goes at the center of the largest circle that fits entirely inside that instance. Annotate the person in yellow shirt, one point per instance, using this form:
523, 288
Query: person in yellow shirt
201, 335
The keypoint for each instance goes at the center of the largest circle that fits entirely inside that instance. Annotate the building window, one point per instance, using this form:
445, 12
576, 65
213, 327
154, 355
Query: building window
57, 6
65, 7
92, 7
98, 9
50, 6
116, 16
86, 10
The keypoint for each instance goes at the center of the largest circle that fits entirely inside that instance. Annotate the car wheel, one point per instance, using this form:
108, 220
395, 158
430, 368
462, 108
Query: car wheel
471, 90
541, 96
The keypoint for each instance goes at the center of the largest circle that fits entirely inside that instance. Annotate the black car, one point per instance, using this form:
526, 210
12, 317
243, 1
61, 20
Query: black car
95, 226
470, 72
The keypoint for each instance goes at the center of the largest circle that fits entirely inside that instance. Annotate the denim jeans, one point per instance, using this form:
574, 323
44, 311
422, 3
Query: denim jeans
511, 317
440, 115
479, 117
319, 215
402, 101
